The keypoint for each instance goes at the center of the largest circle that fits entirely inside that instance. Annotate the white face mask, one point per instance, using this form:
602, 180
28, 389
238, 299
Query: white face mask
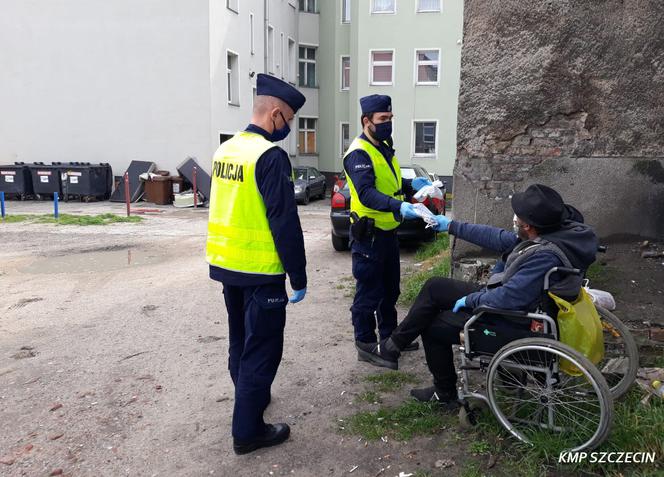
515, 225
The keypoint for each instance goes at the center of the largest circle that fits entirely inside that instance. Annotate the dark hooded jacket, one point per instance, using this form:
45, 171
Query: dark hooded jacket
523, 290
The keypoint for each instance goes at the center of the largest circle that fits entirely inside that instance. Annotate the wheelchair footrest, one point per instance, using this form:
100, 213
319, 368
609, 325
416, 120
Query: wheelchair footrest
470, 368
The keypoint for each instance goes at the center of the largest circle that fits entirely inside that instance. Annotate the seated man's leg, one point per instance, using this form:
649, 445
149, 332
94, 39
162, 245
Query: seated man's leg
438, 339
437, 294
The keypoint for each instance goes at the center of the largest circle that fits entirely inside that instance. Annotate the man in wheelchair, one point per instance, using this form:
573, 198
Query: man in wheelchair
547, 233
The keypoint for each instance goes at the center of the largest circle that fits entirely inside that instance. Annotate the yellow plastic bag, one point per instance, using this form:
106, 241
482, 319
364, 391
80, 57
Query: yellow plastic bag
579, 326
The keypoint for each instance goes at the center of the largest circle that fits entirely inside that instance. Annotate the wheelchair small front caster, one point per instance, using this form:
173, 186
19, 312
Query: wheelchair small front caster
470, 411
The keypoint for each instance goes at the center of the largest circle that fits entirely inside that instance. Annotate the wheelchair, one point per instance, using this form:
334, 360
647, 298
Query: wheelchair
526, 389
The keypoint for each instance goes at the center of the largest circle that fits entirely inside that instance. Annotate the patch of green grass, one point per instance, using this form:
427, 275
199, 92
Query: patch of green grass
391, 380
69, 219
371, 397
600, 274
13, 219
480, 447
412, 284
471, 469
412, 418
635, 428
437, 247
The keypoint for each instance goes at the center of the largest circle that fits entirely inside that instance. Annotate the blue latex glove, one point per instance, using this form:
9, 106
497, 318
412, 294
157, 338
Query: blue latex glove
420, 182
443, 223
407, 211
460, 303
298, 295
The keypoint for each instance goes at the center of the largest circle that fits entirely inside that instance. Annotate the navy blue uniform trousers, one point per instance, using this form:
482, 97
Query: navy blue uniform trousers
377, 271
256, 320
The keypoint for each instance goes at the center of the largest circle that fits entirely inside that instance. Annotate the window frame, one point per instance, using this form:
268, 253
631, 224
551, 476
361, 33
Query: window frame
235, 85
234, 10
282, 58
252, 33
341, 63
371, 67
306, 60
348, 5
342, 149
435, 138
307, 3
417, 64
372, 12
306, 130
440, 8
292, 61
270, 64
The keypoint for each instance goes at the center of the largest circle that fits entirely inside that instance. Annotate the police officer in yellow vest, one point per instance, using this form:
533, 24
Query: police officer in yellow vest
254, 241
377, 208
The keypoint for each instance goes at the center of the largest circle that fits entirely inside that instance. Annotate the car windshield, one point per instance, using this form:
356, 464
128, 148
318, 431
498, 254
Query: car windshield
300, 173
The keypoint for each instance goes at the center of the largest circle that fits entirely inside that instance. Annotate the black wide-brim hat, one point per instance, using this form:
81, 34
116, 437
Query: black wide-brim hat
540, 206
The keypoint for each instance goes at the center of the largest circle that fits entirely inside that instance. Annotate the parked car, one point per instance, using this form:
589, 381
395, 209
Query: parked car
309, 183
408, 230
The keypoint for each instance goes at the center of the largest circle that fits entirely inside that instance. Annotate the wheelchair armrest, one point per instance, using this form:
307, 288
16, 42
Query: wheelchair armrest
498, 311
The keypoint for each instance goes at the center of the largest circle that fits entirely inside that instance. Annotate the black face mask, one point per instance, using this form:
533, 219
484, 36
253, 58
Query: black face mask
280, 134
383, 131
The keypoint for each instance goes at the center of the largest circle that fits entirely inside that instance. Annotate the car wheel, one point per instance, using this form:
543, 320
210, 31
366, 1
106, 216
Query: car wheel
322, 194
340, 244
306, 199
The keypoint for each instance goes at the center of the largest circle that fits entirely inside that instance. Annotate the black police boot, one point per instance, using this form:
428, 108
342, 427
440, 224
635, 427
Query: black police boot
274, 435
385, 353
414, 346
434, 394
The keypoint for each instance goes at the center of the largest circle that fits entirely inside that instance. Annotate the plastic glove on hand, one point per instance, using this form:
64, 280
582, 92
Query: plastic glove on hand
298, 295
460, 303
442, 223
420, 182
408, 211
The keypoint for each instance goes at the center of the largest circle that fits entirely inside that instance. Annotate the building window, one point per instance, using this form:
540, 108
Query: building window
382, 67
270, 49
292, 61
345, 11
308, 66
309, 6
428, 5
282, 64
383, 6
233, 5
428, 66
345, 73
307, 136
425, 138
345, 138
251, 32
233, 78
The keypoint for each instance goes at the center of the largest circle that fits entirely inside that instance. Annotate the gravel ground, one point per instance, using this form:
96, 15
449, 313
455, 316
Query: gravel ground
113, 345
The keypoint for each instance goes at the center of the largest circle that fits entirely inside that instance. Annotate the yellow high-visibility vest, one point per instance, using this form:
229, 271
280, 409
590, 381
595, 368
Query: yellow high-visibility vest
387, 182
239, 236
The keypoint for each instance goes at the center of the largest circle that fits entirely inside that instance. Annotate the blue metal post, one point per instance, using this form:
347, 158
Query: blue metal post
56, 214
2, 204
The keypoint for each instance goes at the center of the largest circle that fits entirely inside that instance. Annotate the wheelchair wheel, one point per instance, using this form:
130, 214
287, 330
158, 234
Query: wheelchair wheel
621, 355
544, 406
470, 411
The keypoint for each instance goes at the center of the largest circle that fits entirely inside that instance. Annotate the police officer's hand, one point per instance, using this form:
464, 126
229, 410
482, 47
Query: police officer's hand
442, 223
298, 295
407, 211
420, 182
460, 303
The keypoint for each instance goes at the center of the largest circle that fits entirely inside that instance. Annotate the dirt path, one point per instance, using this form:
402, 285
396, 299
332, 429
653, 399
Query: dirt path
113, 345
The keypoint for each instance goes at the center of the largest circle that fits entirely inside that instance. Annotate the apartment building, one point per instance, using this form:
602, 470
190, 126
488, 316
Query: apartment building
161, 80
408, 49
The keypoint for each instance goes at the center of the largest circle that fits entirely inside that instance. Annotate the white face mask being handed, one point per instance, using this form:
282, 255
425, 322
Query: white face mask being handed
515, 225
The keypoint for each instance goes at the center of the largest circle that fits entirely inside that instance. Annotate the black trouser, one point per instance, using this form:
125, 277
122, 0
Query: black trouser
432, 318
